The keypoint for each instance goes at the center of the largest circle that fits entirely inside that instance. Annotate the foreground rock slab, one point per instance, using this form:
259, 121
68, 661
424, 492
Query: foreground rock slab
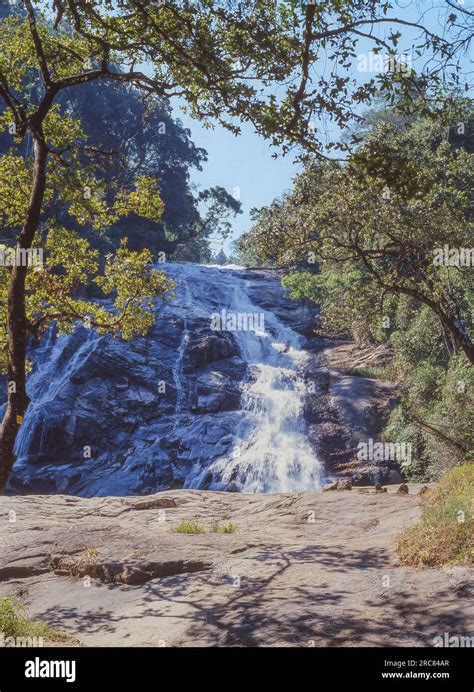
307, 569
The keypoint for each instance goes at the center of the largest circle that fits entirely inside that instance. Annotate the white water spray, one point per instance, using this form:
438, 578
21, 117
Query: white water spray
275, 455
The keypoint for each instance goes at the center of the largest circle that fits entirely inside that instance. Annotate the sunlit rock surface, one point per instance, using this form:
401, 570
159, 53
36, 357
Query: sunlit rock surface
301, 569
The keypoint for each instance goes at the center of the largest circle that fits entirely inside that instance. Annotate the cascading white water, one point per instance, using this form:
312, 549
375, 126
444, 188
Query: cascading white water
276, 455
178, 369
44, 386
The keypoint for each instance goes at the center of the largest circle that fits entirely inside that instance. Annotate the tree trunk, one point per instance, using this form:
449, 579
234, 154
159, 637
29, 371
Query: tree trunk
450, 321
16, 320
439, 434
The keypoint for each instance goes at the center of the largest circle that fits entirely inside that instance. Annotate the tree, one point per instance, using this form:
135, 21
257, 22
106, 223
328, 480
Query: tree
221, 57
381, 217
224, 58
221, 257
217, 207
144, 139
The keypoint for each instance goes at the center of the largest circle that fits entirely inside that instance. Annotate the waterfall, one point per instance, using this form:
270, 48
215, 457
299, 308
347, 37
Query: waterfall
275, 456
153, 418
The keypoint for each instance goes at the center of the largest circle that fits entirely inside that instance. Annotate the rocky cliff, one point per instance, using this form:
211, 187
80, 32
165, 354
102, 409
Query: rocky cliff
229, 390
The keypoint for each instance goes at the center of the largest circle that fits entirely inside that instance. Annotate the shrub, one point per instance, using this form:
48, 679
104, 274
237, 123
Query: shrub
372, 372
446, 531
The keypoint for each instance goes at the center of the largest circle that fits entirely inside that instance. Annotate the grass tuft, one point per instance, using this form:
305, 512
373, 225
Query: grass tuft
224, 528
89, 556
188, 527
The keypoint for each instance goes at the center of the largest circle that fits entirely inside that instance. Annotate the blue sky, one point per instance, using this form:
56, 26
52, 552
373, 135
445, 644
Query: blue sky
243, 165
246, 163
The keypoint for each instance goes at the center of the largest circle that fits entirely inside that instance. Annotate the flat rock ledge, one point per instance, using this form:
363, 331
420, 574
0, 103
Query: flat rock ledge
305, 569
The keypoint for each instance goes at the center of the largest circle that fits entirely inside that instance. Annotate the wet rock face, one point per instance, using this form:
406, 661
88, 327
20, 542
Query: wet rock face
209, 347
110, 417
114, 417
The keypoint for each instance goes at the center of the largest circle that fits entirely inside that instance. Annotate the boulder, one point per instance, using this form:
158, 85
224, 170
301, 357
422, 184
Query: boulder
403, 489
394, 476
209, 348
330, 486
